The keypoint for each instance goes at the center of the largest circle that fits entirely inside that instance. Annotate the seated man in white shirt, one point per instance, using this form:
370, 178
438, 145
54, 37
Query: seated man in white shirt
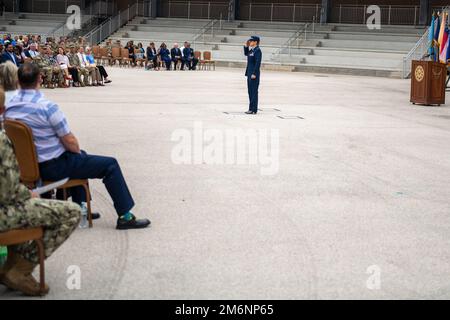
84, 64
32, 52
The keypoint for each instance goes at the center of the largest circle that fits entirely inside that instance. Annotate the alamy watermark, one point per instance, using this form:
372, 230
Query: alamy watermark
235, 146
374, 280
73, 281
374, 20
74, 20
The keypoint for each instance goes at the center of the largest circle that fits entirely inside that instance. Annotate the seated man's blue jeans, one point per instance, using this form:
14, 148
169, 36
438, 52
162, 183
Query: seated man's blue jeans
85, 166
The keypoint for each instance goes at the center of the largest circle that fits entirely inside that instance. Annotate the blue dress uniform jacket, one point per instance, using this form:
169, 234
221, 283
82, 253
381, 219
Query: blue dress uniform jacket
254, 57
165, 56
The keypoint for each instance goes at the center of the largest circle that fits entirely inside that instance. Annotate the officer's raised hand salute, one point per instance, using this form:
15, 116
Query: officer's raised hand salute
254, 57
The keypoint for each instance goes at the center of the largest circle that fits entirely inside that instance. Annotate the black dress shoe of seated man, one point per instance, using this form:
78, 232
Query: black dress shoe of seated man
95, 215
133, 223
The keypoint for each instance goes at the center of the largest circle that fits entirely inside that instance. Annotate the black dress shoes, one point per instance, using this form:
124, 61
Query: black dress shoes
95, 215
250, 112
133, 223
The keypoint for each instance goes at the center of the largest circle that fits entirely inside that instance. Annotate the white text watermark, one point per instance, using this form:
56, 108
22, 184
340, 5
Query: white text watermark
235, 146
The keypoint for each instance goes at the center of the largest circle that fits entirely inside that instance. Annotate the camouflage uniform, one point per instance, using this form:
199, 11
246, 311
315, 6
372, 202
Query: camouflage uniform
49, 67
57, 71
18, 210
44, 67
54, 46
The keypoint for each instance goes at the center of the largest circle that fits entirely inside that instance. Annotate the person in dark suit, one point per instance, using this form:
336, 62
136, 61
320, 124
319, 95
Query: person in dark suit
176, 55
131, 55
9, 55
189, 58
164, 55
151, 56
254, 57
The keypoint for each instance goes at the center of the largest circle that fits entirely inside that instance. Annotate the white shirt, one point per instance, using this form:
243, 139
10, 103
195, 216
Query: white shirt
83, 60
63, 61
33, 53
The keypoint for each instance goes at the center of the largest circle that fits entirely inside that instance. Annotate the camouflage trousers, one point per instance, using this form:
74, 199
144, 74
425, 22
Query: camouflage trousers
48, 73
85, 73
59, 75
58, 218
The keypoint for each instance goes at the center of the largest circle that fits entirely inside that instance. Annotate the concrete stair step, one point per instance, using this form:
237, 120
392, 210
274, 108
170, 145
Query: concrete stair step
371, 45
361, 62
367, 37
371, 72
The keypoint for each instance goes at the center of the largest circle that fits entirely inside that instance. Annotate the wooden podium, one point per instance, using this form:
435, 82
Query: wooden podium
428, 82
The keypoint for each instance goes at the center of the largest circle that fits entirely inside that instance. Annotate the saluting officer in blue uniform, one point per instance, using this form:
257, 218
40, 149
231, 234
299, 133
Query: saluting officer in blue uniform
254, 57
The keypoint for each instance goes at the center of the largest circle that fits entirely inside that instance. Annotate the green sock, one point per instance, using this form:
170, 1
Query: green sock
127, 216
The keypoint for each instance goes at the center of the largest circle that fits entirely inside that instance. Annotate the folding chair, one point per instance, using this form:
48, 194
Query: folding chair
125, 57
198, 56
96, 53
18, 236
140, 61
21, 137
116, 55
208, 61
104, 56
148, 63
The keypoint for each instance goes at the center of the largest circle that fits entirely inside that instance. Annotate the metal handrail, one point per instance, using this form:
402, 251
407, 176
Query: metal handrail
296, 36
113, 24
417, 52
420, 49
86, 15
206, 28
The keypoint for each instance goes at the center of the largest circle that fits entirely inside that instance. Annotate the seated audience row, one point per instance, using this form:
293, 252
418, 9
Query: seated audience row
162, 57
60, 65
27, 48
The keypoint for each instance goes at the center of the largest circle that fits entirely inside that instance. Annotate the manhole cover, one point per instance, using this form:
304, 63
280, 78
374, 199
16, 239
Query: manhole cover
290, 117
234, 112
269, 109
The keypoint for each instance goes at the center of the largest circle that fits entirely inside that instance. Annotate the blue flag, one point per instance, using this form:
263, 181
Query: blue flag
448, 49
431, 36
438, 29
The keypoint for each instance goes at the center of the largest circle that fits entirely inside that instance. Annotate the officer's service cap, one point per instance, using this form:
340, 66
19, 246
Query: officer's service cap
254, 38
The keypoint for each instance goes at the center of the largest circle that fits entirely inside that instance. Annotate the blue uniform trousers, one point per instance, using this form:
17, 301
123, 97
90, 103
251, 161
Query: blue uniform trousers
85, 166
253, 86
167, 62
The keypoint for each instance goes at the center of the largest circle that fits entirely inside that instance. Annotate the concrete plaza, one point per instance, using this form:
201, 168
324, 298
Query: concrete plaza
359, 207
